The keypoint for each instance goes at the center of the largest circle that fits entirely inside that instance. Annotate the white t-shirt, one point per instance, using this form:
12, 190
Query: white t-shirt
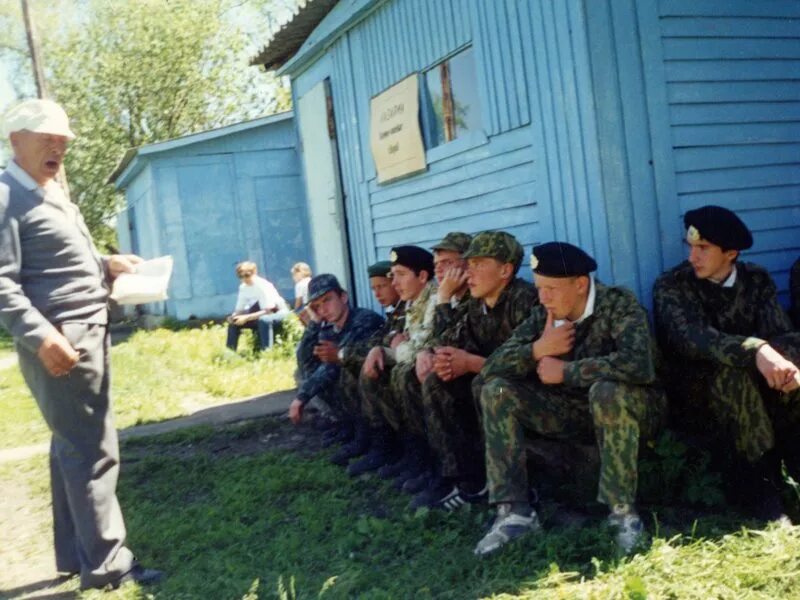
301, 289
261, 291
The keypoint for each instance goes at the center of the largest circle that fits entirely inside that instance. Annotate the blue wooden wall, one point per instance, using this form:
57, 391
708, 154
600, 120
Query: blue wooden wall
216, 202
603, 121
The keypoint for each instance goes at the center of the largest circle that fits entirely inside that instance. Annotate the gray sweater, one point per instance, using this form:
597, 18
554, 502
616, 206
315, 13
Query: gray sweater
50, 271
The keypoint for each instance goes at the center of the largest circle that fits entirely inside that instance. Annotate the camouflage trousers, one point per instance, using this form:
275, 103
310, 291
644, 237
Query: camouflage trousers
616, 414
452, 421
394, 398
348, 384
746, 414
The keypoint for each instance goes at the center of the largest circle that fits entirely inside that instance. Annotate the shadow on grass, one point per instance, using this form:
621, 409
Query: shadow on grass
224, 511
41, 590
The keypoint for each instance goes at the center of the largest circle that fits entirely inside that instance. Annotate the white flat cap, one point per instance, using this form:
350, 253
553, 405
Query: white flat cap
38, 116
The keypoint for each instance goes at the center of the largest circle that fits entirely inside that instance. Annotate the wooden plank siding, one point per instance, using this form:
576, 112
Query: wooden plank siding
732, 72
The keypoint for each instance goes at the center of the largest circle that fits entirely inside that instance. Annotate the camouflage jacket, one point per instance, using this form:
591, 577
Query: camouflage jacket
361, 324
479, 329
446, 316
353, 355
613, 343
697, 319
418, 325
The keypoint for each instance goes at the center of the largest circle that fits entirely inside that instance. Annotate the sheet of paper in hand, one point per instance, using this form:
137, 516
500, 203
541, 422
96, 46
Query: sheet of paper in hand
148, 284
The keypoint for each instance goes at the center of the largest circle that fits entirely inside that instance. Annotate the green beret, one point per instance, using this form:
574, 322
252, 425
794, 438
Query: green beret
719, 226
455, 241
560, 259
382, 268
499, 245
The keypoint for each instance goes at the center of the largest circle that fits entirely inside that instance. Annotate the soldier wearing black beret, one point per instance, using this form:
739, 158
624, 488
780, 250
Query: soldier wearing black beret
731, 348
582, 366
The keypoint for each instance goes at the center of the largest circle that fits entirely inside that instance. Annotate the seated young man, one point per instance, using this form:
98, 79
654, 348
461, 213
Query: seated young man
498, 302
582, 366
259, 307
733, 356
387, 368
353, 356
340, 325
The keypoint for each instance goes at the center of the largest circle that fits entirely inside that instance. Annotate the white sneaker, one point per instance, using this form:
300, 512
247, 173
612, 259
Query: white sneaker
629, 529
507, 526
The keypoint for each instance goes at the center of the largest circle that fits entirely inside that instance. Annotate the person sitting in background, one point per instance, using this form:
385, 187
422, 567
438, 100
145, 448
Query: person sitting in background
259, 307
301, 275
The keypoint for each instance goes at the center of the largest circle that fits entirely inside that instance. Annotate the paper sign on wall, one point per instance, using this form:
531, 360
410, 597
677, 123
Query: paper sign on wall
395, 136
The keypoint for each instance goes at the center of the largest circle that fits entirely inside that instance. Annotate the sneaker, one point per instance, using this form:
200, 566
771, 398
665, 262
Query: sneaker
629, 529
507, 526
458, 498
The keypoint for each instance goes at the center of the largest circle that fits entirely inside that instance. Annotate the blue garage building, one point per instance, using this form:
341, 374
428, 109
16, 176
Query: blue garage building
599, 122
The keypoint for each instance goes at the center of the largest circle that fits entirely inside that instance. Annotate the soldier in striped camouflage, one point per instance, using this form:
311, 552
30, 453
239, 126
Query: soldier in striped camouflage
498, 302
581, 367
734, 356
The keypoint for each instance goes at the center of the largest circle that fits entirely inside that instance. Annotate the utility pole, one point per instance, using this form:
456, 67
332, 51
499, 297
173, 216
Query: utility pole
38, 75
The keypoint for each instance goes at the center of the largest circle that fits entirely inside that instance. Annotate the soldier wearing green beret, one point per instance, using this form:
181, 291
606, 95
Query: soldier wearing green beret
498, 302
353, 356
734, 356
581, 366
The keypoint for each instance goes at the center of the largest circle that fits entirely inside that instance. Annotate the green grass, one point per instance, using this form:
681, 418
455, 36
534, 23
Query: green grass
6, 343
158, 375
225, 524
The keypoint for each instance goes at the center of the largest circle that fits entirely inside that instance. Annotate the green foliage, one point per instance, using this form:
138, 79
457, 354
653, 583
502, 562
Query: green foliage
670, 472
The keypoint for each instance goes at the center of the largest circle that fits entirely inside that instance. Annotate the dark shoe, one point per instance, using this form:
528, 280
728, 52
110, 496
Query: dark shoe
372, 461
433, 495
417, 484
356, 448
138, 574
393, 470
344, 434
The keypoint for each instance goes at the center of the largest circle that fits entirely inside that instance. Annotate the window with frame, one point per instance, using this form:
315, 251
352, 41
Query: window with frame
450, 105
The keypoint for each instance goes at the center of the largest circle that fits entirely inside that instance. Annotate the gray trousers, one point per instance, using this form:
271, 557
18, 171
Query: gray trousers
84, 458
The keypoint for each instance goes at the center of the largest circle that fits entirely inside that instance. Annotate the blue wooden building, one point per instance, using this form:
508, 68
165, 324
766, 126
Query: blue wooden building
212, 200
599, 122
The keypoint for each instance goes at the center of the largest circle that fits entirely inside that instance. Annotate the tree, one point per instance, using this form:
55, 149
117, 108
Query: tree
133, 73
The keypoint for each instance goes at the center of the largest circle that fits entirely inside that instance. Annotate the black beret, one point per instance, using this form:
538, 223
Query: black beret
719, 226
560, 259
382, 268
415, 258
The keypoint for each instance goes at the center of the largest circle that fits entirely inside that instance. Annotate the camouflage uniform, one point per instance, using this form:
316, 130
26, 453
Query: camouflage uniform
609, 394
322, 379
383, 398
451, 408
711, 335
353, 356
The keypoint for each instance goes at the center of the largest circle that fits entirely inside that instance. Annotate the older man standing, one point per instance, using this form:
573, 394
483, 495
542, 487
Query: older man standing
53, 294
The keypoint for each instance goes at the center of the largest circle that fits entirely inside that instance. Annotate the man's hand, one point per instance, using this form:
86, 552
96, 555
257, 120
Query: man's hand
240, 320
781, 374
57, 355
296, 411
454, 279
424, 364
451, 363
373, 364
550, 370
554, 341
398, 339
327, 351
122, 263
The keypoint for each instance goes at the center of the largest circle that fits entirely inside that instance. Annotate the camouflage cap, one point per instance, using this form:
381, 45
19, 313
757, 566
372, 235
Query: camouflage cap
321, 285
455, 241
499, 245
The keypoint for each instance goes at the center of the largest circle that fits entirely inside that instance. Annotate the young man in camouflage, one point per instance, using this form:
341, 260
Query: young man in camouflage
340, 326
733, 354
386, 368
353, 356
498, 302
582, 366
412, 472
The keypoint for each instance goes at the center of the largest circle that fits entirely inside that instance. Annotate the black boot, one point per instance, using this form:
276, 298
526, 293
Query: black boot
383, 450
358, 446
341, 434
